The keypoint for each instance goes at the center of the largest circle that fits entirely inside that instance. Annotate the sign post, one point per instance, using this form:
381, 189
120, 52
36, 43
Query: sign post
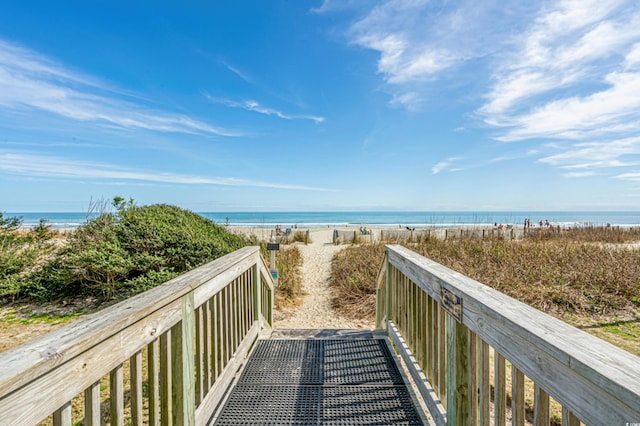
273, 247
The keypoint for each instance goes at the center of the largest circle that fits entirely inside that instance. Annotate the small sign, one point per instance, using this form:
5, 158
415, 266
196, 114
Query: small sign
451, 303
273, 246
274, 275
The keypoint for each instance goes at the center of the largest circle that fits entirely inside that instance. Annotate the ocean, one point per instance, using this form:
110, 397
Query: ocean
414, 219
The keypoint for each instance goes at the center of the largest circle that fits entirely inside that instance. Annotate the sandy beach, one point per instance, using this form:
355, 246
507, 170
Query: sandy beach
315, 311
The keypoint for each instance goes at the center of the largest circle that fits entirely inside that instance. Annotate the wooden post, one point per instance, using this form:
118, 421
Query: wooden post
457, 372
183, 368
387, 295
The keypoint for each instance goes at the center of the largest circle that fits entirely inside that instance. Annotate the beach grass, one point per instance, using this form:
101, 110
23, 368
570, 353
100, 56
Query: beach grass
588, 278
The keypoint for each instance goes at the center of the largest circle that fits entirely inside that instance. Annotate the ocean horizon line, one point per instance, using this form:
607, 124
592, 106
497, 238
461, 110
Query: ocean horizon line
381, 219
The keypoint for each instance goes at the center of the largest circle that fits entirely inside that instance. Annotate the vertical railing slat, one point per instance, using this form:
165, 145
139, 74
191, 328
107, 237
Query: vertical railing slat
442, 354
153, 359
92, 405
116, 396
199, 350
62, 416
135, 363
568, 418
499, 388
433, 345
206, 353
473, 378
541, 406
517, 397
182, 365
166, 405
485, 384
257, 296
457, 373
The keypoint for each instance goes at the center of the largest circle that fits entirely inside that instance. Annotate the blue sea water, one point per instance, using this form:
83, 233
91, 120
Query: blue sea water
374, 219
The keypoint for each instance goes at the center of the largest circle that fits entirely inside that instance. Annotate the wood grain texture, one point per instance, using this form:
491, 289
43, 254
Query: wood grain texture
425, 388
22, 364
600, 382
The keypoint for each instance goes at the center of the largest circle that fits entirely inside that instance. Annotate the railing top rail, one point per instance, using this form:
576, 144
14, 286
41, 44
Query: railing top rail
510, 326
20, 365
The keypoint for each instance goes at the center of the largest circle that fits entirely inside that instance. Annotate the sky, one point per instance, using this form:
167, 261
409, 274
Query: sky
333, 105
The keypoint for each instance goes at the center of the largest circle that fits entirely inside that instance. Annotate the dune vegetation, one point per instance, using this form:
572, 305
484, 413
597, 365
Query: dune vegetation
584, 276
113, 255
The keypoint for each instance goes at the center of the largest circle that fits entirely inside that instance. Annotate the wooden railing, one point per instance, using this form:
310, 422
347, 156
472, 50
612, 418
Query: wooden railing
458, 336
164, 357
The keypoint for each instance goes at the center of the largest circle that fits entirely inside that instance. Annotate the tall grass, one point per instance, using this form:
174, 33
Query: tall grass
577, 272
288, 262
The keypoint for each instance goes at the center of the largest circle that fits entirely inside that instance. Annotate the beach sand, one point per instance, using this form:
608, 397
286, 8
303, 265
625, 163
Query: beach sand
315, 311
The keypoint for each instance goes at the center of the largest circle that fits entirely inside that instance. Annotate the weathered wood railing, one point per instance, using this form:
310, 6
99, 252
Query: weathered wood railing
181, 343
448, 327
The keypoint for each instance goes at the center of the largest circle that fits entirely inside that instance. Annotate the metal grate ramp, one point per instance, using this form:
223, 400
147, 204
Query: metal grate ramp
320, 382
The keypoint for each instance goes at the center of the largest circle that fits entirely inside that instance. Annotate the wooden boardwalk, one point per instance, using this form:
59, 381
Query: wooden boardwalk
328, 377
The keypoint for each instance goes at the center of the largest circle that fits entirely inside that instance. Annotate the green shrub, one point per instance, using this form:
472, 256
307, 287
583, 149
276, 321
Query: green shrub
116, 255
21, 253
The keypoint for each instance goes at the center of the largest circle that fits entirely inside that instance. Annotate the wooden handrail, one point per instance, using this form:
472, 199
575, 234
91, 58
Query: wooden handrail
214, 301
594, 381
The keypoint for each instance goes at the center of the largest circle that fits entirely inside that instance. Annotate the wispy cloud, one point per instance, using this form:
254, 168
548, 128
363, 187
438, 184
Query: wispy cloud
422, 41
26, 164
574, 74
32, 81
449, 164
254, 106
596, 155
236, 71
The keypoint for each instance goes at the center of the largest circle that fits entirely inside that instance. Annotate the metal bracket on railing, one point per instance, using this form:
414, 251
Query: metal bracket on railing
451, 303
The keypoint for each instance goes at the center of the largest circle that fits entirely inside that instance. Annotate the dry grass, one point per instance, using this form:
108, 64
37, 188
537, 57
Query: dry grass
288, 262
353, 280
583, 276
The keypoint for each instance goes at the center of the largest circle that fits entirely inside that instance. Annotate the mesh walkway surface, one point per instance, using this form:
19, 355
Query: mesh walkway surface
320, 382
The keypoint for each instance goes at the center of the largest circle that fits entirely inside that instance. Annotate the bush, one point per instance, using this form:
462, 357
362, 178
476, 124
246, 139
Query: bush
22, 252
116, 255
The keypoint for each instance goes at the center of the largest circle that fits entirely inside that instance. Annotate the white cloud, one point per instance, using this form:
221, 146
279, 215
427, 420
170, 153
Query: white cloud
571, 75
25, 164
631, 176
596, 155
237, 72
32, 81
254, 106
447, 165
420, 41
578, 174
606, 111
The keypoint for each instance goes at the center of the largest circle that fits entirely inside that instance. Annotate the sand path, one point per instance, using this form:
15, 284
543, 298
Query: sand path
315, 310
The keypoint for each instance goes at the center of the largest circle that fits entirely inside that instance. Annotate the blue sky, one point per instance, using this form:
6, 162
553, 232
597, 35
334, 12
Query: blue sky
312, 105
